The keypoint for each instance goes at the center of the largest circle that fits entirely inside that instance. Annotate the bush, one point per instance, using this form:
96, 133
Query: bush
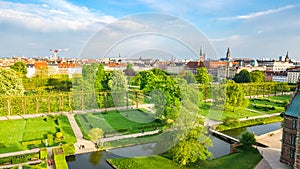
59, 135
248, 139
33, 142
43, 153
228, 121
50, 139
68, 149
59, 159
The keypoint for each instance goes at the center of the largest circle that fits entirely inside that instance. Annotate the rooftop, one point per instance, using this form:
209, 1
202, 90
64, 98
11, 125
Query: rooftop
293, 108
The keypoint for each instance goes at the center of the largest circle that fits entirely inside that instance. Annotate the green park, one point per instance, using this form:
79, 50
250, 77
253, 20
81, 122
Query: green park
58, 115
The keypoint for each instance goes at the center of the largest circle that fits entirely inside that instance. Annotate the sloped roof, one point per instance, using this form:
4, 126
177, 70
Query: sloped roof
293, 108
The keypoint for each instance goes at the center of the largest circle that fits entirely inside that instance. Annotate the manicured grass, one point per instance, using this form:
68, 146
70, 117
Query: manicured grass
268, 105
126, 122
252, 122
14, 132
246, 159
218, 113
281, 98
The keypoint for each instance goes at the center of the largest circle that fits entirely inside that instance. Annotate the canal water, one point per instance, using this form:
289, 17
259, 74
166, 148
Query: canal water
96, 160
257, 130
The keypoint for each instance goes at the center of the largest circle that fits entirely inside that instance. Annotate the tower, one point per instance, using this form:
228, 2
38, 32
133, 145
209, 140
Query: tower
287, 59
201, 54
228, 54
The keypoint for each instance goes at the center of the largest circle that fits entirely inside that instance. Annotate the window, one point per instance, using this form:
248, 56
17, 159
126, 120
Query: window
293, 140
294, 125
292, 153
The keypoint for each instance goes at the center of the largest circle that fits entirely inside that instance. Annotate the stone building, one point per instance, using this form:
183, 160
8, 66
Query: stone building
290, 151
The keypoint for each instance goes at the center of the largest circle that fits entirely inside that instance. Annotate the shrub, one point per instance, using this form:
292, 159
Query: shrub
43, 153
59, 159
248, 139
50, 139
59, 135
228, 121
33, 142
68, 149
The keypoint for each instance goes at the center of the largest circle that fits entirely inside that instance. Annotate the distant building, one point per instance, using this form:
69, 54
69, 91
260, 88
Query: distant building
290, 150
293, 75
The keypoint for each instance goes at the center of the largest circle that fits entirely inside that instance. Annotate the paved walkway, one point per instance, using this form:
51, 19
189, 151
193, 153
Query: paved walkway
271, 154
20, 152
82, 145
102, 140
258, 117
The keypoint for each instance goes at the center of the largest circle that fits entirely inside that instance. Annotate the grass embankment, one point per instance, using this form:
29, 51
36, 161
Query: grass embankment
237, 124
217, 112
23, 134
264, 105
247, 158
114, 122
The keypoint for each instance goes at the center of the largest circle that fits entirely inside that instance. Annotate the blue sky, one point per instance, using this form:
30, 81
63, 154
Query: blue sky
251, 28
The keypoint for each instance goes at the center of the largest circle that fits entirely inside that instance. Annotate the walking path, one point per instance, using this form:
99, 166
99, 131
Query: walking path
50, 156
102, 140
82, 145
259, 117
271, 154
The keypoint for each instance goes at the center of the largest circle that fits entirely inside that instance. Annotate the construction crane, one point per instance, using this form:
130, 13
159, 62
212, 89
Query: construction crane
53, 58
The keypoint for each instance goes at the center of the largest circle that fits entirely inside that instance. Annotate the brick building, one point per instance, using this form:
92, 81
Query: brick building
290, 151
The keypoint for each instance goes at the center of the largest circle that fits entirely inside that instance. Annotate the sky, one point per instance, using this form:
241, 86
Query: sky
98, 28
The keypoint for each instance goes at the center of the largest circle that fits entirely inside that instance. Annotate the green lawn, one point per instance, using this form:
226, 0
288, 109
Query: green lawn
14, 132
269, 105
112, 122
246, 159
218, 113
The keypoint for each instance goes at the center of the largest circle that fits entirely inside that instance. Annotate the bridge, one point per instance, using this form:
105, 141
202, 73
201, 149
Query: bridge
224, 137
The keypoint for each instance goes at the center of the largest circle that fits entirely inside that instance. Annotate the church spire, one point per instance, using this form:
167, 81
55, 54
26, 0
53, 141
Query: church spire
228, 54
287, 59
201, 54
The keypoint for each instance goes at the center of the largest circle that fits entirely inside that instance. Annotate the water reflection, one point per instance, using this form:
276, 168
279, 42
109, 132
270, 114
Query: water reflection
257, 130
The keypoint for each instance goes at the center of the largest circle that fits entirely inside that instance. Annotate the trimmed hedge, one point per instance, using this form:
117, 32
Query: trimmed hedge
33, 142
59, 158
18, 158
43, 153
69, 149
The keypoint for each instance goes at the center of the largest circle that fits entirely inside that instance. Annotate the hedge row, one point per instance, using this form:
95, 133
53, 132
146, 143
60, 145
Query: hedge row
18, 158
59, 158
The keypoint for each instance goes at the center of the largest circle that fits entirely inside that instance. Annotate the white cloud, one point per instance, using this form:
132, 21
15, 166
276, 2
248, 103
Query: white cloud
54, 15
258, 14
225, 39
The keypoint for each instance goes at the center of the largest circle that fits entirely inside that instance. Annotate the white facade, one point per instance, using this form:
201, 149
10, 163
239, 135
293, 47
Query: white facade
279, 78
292, 76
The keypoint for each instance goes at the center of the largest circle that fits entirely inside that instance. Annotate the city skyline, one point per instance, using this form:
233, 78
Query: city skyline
252, 29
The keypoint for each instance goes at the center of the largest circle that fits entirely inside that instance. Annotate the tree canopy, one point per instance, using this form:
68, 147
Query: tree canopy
242, 77
202, 76
235, 96
257, 76
19, 67
248, 139
10, 83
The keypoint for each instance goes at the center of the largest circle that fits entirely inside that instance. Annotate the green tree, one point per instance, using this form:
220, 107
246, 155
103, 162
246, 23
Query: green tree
242, 77
10, 83
101, 85
257, 76
118, 87
188, 76
95, 134
235, 96
202, 76
19, 67
248, 139
193, 146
